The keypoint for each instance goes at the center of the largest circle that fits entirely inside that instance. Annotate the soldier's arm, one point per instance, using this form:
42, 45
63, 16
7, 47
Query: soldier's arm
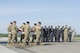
8, 28
17, 29
21, 26
29, 29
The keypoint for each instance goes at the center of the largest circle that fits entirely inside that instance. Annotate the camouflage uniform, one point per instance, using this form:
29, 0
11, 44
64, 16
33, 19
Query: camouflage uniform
14, 32
66, 34
26, 33
38, 33
9, 33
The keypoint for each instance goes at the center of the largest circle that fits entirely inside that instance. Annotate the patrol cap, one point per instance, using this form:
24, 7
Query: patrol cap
35, 24
28, 22
14, 21
24, 23
39, 22
11, 22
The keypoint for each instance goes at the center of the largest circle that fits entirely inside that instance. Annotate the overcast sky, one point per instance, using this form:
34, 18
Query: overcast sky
49, 12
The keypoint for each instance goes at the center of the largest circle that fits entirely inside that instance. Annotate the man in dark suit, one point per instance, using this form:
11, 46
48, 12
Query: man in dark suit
58, 33
55, 34
69, 34
52, 34
45, 33
62, 33
49, 32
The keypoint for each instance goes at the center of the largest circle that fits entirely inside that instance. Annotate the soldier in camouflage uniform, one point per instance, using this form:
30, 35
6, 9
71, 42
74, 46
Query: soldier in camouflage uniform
14, 30
9, 33
27, 29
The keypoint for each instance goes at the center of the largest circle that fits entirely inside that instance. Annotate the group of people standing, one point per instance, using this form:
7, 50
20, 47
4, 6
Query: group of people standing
38, 33
58, 34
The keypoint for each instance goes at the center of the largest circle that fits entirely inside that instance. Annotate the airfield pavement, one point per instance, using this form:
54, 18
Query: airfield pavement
48, 47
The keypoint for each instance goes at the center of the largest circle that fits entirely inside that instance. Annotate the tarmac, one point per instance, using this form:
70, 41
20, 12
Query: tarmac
48, 47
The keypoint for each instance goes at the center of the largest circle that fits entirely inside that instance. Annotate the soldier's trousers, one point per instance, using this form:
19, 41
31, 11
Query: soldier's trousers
33, 37
16, 40
65, 37
9, 38
26, 38
37, 38
13, 37
22, 37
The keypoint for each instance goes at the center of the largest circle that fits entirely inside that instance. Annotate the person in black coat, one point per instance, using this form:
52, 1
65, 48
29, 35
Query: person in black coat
69, 34
52, 34
58, 33
62, 33
45, 33
55, 34
49, 32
